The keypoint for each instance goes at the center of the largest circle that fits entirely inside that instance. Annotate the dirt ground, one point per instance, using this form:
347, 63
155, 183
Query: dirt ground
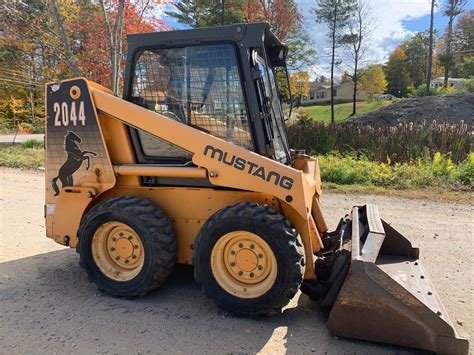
442, 108
47, 304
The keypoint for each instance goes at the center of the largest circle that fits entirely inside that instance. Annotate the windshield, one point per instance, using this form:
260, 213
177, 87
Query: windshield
277, 119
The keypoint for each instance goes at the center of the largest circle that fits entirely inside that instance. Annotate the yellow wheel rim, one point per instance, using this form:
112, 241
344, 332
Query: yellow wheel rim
117, 251
243, 264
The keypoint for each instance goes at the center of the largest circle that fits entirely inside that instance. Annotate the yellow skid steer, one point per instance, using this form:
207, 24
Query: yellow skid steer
193, 166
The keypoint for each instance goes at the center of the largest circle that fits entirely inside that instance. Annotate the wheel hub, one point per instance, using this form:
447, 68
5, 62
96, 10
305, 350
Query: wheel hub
118, 251
243, 264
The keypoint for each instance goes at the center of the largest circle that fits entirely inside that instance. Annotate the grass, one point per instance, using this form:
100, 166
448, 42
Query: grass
342, 112
27, 155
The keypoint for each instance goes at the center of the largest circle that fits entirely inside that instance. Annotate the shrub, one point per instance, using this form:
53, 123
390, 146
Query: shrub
469, 84
440, 172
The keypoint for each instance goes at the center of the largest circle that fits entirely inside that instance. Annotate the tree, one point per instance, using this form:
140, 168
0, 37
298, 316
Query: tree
463, 44
301, 49
361, 27
346, 77
90, 30
71, 59
429, 65
416, 50
205, 13
299, 85
373, 80
335, 14
452, 10
115, 31
396, 73
282, 15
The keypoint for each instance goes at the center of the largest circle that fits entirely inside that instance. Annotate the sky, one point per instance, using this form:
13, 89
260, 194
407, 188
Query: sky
396, 21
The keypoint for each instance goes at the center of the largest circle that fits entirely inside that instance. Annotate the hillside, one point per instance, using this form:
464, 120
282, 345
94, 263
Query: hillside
451, 108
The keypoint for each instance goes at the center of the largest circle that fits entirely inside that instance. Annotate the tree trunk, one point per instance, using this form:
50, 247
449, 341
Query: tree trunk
333, 120
447, 65
71, 59
430, 51
115, 39
355, 81
118, 28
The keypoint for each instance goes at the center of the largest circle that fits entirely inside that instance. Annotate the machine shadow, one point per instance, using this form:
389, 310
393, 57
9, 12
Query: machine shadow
48, 304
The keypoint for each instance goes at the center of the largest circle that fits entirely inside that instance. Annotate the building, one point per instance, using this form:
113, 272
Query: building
456, 83
321, 93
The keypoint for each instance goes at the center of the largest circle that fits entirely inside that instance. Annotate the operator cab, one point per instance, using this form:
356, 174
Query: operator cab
220, 80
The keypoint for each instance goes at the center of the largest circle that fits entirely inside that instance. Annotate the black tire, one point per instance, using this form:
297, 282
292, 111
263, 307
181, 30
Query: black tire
277, 232
155, 232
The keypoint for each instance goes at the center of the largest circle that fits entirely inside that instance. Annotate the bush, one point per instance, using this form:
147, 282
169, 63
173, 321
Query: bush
446, 91
469, 84
420, 91
440, 172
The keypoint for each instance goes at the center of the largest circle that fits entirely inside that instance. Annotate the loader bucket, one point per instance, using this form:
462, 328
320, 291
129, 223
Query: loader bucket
387, 296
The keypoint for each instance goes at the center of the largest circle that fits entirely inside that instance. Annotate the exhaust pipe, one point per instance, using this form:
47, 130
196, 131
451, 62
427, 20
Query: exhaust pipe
386, 295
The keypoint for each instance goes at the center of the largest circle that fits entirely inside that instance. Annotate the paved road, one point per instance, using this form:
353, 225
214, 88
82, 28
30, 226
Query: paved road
48, 306
20, 137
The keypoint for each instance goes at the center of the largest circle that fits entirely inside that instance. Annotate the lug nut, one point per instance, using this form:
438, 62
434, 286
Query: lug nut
135, 246
134, 256
240, 273
126, 261
121, 234
114, 239
260, 256
232, 252
232, 264
252, 246
241, 245
117, 258
251, 274
260, 267
112, 249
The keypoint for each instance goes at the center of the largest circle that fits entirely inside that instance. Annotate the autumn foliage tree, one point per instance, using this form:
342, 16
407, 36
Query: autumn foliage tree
96, 55
396, 73
373, 80
46, 40
299, 85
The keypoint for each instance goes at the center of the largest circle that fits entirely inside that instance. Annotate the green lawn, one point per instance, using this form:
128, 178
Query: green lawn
342, 111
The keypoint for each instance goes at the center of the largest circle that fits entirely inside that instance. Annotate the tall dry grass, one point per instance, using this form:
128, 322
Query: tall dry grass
400, 143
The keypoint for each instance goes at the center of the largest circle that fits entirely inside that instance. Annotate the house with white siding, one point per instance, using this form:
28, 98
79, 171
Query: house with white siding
321, 93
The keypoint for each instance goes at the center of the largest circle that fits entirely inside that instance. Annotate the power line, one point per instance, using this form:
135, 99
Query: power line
19, 83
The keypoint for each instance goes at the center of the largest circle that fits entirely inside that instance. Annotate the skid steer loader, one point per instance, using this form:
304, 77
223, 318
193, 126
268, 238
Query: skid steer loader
193, 166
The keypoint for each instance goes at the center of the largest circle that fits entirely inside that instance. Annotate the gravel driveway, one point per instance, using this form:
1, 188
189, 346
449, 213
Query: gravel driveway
47, 305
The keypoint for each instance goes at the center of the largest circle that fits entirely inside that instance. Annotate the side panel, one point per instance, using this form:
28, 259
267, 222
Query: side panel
189, 208
78, 166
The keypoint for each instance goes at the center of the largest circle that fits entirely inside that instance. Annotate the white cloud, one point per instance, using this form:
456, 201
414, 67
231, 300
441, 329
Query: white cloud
389, 32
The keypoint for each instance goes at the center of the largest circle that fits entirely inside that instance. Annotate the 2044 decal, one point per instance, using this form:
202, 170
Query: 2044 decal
66, 114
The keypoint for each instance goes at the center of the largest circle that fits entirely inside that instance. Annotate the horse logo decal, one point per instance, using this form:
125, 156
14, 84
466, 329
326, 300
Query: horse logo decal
75, 157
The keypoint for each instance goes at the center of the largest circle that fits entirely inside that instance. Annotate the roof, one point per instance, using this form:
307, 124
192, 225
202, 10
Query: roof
440, 78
